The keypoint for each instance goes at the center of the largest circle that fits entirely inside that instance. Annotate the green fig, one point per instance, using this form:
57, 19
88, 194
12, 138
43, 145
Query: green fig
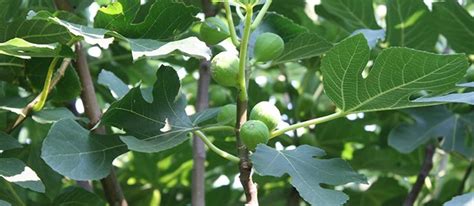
267, 113
225, 69
254, 132
228, 115
268, 46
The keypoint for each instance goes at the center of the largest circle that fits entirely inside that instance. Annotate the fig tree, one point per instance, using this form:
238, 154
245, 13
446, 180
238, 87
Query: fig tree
213, 30
268, 46
267, 113
225, 68
227, 115
254, 132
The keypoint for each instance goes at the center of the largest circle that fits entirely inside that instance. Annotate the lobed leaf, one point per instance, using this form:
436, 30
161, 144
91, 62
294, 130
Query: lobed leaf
156, 126
307, 173
397, 75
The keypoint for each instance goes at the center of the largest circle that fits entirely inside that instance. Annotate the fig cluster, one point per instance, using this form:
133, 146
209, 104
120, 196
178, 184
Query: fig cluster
264, 118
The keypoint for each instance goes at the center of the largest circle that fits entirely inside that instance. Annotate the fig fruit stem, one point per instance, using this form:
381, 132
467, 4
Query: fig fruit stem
230, 22
261, 14
307, 123
215, 149
218, 129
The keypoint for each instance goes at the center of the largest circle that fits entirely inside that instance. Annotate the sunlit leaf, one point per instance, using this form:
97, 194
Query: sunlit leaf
397, 75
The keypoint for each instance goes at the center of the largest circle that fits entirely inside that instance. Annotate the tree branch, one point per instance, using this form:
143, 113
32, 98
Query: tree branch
198, 189
424, 172
245, 165
113, 191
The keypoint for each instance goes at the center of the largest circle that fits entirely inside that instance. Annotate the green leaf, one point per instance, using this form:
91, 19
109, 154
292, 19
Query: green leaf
47, 116
78, 154
15, 171
461, 200
303, 46
456, 24
88, 34
307, 173
165, 20
7, 142
432, 123
410, 24
386, 160
190, 46
397, 75
204, 115
23, 49
466, 98
354, 14
76, 196
381, 191
156, 126
116, 85
8, 9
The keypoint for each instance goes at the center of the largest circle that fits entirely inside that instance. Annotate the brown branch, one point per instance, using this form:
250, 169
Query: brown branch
199, 152
424, 172
198, 189
26, 111
113, 191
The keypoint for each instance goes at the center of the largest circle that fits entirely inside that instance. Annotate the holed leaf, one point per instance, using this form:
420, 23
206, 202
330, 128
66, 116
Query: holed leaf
306, 172
15, 171
456, 131
155, 126
73, 151
397, 75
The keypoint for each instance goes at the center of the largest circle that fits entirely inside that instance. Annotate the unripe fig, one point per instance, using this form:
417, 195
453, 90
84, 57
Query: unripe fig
218, 95
227, 115
225, 68
254, 132
268, 46
267, 113
213, 30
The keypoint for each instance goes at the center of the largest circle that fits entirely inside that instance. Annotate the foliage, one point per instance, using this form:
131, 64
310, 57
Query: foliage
347, 95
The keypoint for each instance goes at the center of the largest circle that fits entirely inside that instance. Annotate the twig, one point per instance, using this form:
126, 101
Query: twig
113, 191
424, 172
26, 111
215, 149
